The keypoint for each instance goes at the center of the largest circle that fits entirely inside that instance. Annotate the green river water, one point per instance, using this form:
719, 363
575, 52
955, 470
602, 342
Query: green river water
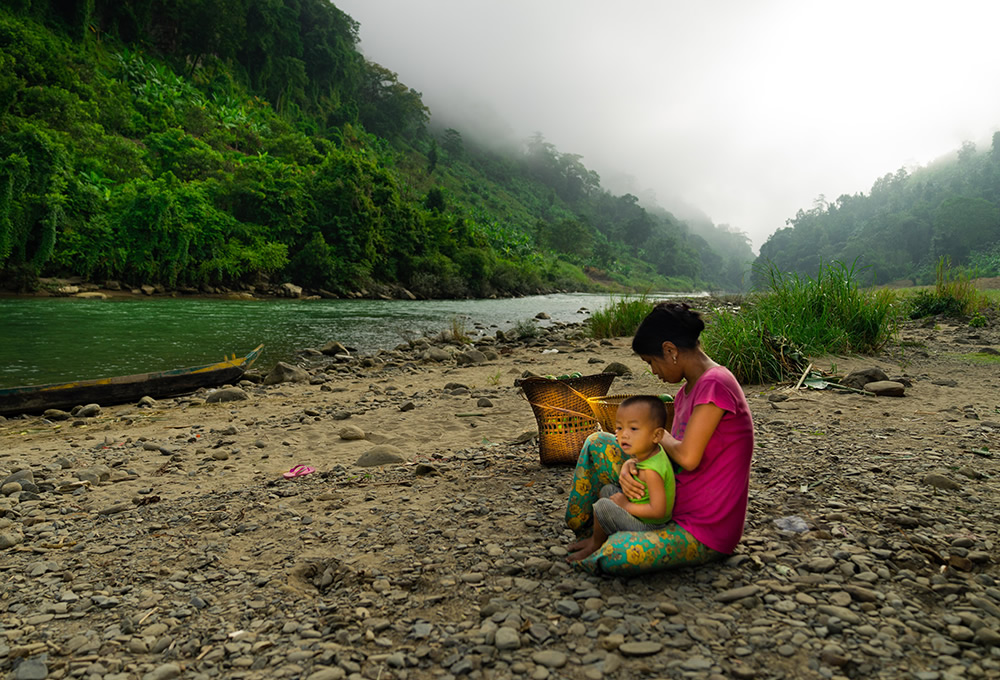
59, 339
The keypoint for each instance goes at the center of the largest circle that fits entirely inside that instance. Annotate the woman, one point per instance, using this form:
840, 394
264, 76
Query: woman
710, 443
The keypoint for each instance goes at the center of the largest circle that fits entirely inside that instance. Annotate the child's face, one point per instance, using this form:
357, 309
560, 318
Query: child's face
635, 431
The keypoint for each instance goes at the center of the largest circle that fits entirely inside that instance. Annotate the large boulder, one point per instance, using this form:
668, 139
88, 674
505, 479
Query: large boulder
290, 290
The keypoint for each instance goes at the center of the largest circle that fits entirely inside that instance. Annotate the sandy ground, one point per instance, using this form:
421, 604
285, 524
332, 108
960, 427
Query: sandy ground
139, 494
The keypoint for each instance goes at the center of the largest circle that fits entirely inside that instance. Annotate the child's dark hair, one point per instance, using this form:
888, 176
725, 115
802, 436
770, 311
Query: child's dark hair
673, 321
657, 410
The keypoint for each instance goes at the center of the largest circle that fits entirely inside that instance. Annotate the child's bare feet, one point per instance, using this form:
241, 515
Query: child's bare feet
583, 549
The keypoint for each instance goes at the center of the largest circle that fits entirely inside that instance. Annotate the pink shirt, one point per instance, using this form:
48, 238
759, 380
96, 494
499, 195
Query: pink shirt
711, 500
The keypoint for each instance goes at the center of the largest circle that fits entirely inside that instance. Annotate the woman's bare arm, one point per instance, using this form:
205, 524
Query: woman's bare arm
701, 426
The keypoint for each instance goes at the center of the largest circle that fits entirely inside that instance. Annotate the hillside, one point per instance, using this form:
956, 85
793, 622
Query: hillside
903, 227
230, 143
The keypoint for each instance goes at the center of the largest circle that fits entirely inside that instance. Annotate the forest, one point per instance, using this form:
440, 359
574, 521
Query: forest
204, 145
903, 227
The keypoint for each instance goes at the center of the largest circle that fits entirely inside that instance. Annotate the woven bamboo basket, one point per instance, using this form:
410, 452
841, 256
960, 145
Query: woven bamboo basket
565, 419
605, 409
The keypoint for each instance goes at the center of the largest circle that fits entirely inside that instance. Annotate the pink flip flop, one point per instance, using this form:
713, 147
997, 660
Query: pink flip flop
299, 471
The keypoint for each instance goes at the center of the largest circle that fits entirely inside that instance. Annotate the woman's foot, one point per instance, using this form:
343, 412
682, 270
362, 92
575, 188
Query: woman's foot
573, 547
583, 549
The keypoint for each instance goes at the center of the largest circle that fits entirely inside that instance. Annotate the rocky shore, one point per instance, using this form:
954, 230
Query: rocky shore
163, 540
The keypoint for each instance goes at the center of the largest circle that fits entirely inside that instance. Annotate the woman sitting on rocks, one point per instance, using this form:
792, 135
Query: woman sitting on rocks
711, 441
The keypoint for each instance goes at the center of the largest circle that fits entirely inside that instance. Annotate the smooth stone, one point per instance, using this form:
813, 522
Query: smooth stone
646, 648
549, 658
9, 539
89, 411
351, 433
886, 388
31, 669
842, 613
568, 608
507, 638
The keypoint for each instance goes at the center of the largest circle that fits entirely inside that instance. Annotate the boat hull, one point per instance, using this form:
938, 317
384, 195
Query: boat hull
122, 389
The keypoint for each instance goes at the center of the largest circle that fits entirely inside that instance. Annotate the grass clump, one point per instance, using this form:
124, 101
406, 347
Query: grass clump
769, 338
954, 294
621, 317
457, 332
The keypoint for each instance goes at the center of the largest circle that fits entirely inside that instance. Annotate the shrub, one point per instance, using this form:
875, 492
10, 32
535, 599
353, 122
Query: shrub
526, 328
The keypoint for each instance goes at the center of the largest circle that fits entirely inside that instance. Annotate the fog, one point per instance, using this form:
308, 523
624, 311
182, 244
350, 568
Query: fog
745, 111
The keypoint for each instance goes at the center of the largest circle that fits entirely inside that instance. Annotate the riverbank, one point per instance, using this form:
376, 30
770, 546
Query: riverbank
165, 541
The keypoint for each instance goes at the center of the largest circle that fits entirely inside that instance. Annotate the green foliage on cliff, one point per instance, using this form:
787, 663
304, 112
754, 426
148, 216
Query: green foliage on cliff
904, 226
230, 142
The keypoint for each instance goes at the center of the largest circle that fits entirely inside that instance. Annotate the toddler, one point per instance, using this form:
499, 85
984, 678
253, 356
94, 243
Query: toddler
640, 424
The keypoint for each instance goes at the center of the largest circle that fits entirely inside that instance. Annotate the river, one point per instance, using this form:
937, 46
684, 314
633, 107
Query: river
55, 339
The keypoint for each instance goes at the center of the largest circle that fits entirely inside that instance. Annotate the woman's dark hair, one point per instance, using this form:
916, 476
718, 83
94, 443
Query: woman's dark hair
673, 321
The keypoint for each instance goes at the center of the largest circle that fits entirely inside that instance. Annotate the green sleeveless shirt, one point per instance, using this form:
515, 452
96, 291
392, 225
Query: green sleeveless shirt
659, 463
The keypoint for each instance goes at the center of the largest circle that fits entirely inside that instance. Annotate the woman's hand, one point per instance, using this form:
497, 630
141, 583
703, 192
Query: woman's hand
628, 480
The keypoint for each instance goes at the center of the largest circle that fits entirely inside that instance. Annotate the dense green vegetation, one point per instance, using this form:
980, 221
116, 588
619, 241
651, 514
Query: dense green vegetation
224, 143
901, 229
774, 329
794, 316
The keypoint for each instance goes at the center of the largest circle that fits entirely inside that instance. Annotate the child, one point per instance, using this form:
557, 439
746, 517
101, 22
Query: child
640, 424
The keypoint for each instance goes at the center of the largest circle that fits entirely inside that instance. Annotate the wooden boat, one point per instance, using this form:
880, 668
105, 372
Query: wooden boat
122, 389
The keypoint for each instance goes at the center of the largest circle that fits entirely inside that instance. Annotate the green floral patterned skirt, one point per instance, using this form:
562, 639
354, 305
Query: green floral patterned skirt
625, 552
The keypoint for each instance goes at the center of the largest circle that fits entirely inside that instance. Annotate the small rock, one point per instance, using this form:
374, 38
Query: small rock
384, 454
507, 638
939, 481
283, 372
31, 669
227, 394
734, 594
89, 411
164, 672
617, 368
351, 433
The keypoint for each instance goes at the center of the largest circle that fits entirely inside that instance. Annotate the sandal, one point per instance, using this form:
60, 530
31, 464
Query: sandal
299, 471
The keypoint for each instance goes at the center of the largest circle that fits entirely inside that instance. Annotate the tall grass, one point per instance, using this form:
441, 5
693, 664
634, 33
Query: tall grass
769, 337
621, 317
954, 294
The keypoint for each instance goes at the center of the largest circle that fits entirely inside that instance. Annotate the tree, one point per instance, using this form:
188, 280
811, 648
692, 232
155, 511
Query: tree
389, 108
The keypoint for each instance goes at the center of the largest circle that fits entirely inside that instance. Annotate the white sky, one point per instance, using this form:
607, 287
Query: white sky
746, 110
